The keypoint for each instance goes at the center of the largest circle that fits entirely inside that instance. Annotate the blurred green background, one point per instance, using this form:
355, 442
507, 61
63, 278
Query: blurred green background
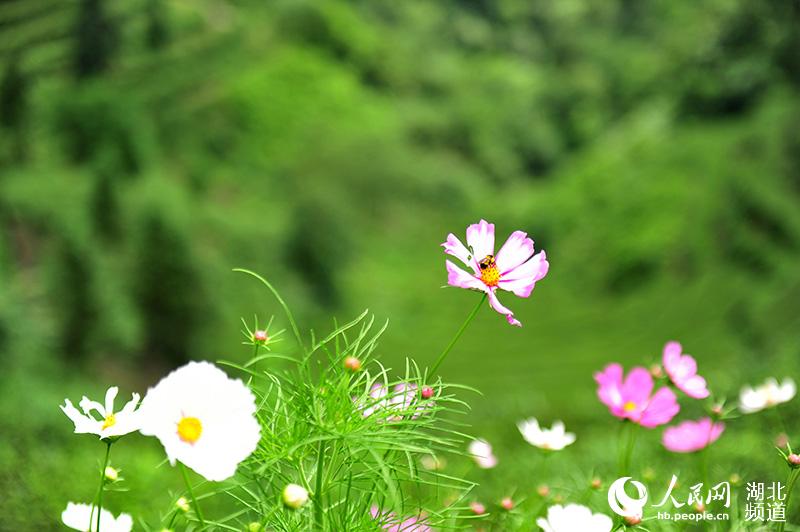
148, 147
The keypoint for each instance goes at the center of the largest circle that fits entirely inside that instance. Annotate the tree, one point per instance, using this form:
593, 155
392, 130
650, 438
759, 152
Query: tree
97, 39
168, 290
14, 104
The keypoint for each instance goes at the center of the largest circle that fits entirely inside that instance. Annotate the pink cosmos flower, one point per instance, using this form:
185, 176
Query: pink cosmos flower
390, 522
691, 436
682, 371
632, 399
400, 403
515, 268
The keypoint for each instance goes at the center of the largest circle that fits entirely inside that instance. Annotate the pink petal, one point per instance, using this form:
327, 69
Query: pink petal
694, 387
522, 279
517, 249
691, 436
637, 387
609, 389
672, 351
461, 279
496, 305
454, 247
480, 237
661, 409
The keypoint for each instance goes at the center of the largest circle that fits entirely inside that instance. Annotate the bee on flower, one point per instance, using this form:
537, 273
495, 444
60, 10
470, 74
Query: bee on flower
111, 424
514, 268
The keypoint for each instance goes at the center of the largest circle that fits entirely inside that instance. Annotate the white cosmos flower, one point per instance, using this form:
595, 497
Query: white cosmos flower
767, 395
481, 452
77, 517
202, 418
574, 518
553, 439
111, 424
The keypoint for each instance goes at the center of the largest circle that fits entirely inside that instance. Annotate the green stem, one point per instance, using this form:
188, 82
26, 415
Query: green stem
626, 448
789, 487
318, 509
102, 482
191, 496
452, 343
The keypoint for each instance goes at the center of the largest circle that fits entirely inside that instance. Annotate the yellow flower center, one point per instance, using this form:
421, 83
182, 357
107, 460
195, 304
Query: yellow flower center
630, 406
190, 429
490, 275
109, 421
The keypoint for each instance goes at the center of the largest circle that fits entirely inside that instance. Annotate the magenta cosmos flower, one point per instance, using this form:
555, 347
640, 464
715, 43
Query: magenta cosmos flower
631, 399
515, 268
682, 371
691, 436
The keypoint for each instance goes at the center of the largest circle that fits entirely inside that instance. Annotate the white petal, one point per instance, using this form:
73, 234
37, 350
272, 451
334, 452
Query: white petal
111, 394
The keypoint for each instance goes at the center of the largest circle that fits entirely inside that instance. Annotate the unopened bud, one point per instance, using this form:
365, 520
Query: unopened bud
735, 479
182, 504
596, 483
699, 507
427, 392
656, 371
649, 474
294, 496
477, 508
111, 474
254, 527
507, 504
781, 440
793, 459
543, 490
558, 499
633, 520
716, 410
260, 336
352, 363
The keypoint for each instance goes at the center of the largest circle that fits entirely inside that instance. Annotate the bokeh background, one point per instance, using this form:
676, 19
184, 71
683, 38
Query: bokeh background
148, 147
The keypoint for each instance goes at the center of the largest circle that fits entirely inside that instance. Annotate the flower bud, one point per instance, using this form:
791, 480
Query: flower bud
633, 520
699, 507
260, 337
294, 496
254, 527
182, 504
477, 508
427, 392
781, 440
735, 479
656, 371
558, 499
596, 483
111, 474
507, 504
793, 459
543, 490
352, 363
